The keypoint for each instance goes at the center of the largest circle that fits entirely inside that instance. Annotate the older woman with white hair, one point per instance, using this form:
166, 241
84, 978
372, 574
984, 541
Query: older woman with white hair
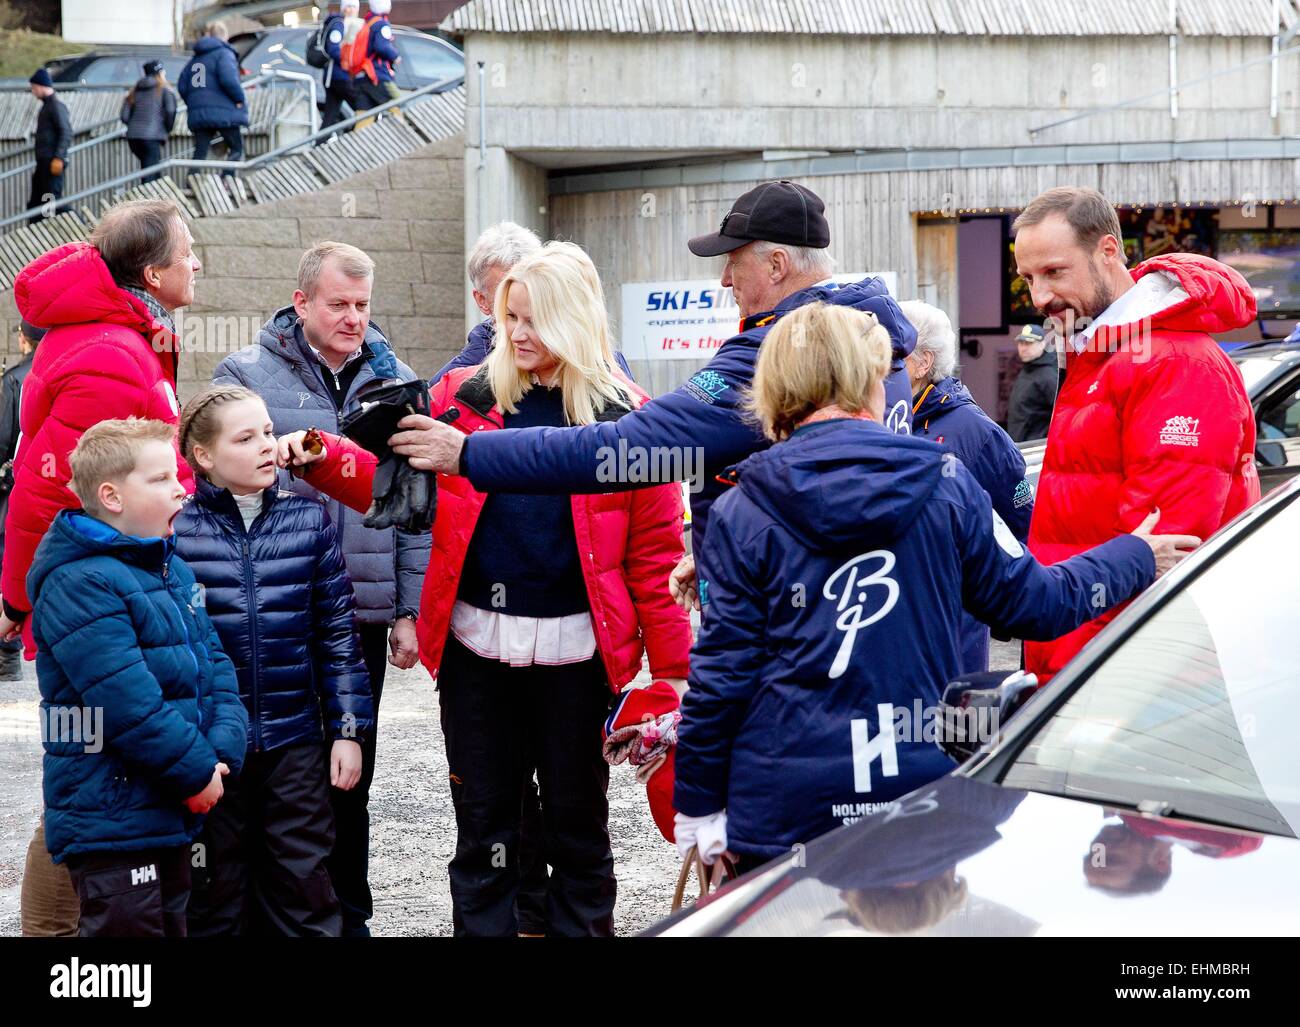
944, 410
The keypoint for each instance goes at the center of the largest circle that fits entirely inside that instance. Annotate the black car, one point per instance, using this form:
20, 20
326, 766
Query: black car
1271, 370
115, 69
1153, 787
425, 59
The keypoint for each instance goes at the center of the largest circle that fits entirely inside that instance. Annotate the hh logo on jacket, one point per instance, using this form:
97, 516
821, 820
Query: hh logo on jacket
1181, 431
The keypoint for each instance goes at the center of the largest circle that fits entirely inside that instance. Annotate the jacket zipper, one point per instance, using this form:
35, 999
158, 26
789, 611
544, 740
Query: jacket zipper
252, 634
189, 648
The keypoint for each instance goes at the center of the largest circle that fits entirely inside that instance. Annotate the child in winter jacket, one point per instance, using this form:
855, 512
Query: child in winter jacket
143, 717
832, 590
276, 588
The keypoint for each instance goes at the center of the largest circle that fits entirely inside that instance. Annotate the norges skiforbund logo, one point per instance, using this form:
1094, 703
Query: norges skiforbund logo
1181, 431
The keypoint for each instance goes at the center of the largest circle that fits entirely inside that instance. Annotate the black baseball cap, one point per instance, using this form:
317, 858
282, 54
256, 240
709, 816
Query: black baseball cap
772, 212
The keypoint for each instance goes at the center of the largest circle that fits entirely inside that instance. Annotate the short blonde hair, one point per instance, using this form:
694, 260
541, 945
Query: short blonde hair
108, 451
568, 312
352, 262
815, 356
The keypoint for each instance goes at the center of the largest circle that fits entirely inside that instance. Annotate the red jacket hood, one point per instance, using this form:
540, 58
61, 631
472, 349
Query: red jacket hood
72, 285
1218, 298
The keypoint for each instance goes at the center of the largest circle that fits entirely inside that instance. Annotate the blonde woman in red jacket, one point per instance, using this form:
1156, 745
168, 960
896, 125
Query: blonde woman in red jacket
536, 608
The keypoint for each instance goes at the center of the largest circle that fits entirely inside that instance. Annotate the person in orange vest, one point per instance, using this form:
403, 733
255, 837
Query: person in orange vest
371, 58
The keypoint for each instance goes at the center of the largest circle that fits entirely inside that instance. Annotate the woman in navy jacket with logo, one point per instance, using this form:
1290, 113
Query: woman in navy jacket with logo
832, 590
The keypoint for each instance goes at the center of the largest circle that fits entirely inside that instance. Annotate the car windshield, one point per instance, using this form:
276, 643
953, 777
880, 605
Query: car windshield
1192, 716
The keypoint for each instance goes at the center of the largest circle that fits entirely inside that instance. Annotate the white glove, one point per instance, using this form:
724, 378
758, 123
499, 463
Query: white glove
708, 834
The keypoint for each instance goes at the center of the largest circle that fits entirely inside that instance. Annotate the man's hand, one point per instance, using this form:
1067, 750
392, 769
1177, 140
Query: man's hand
211, 795
345, 764
403, 648
56, 166
291, 452
429, 445
1169, 550
10, 629
681, 584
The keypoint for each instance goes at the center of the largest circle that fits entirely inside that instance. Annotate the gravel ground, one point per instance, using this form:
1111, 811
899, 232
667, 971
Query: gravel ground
413, 829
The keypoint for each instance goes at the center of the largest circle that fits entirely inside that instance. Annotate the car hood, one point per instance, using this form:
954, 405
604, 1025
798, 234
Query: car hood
964, 858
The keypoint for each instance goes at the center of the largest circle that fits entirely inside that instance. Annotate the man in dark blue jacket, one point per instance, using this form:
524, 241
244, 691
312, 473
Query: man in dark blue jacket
214, 99
374, 84
775, 237
338, 83
946, 412
51, 141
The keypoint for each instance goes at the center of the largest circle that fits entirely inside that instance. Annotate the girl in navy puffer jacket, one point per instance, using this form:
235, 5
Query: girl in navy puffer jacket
276, 589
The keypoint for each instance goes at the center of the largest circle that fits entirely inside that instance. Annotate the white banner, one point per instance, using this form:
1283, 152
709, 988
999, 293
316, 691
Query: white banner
691, 320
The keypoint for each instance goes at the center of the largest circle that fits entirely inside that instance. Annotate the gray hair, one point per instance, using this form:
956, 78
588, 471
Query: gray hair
804, 260
219, 30
934, 334
351, 261
503, 246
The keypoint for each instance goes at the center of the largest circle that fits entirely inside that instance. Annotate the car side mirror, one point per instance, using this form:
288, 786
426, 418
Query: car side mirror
975, 706
1270, 454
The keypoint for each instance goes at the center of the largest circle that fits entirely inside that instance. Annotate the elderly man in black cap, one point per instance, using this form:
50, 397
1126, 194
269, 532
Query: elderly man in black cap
1029, 410
775, 239
53, 137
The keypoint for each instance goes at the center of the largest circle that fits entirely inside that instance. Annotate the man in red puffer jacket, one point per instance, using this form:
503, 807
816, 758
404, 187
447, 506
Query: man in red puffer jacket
110, 352
1151, 414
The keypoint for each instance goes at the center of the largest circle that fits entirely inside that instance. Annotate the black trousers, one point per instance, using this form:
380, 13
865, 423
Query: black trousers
139, 894
534, 880
259, 865
233, 136
368, 94
349, 864
148, 152
331, 108
497, 720
44, 186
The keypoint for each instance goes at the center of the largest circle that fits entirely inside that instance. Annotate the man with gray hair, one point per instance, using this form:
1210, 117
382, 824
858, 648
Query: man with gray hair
497, 250
311, 363
945, 412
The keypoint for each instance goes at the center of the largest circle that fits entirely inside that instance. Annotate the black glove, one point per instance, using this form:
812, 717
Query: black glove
402, 496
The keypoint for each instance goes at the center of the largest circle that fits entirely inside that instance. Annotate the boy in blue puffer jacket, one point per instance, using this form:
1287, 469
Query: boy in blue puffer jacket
832, 591
278, 592
142, 713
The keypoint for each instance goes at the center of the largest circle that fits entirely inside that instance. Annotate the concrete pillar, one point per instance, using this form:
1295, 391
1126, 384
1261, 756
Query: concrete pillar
504, 188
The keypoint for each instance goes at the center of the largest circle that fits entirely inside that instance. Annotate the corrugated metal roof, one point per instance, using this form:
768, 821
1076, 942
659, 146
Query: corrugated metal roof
876, 17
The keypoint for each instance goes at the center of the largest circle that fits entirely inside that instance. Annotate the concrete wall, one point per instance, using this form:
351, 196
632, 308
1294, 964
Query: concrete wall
407, 215
714, 92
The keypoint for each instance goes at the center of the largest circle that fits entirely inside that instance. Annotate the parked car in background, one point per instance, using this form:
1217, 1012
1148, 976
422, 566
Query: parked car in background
425, 58
1271, 370
1153, 787
116, 69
